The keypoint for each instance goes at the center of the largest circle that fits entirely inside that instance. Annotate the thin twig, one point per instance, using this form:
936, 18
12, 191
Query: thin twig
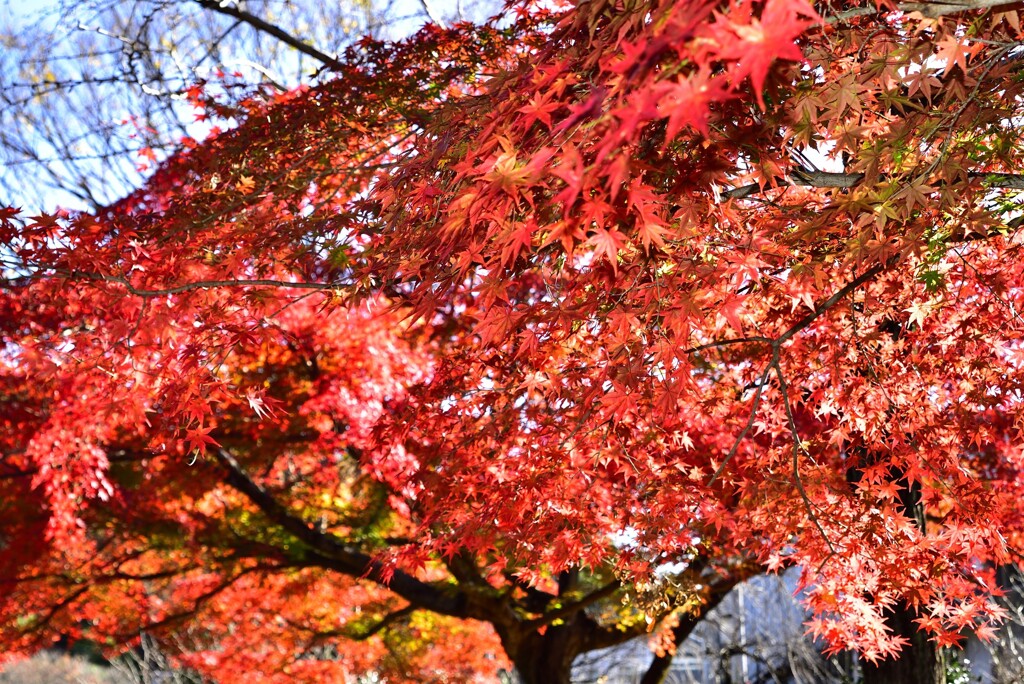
797, 448
750, 423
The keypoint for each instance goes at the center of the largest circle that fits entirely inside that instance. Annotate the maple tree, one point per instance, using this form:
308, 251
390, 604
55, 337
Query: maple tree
515, 318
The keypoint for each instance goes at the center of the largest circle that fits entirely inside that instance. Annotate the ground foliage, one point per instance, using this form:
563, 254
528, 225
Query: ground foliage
501, 302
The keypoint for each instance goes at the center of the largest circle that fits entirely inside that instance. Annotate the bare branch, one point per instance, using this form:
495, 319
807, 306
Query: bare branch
750, 423
385, 622
270, 29
797, 449
832, 301
432, 13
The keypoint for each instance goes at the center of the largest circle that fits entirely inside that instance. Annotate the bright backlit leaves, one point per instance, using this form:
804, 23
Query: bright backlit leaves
599, 286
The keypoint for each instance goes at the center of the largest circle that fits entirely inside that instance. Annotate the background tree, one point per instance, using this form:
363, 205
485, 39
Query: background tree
654, 330
755, 635
93, 93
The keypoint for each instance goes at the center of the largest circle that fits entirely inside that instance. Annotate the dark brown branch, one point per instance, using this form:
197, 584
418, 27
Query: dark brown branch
756, 339
574, 607
826, 179
271, 29
197, 604
385, 622
831, 301
777, 343
463, 567
761, 382
8, 472
333, 554
605, 636
534, 600
797, 450
659, 667
928, 9
11, 284
345, 633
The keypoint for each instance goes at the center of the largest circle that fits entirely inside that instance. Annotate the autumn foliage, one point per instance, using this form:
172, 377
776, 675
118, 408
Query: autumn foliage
527, 311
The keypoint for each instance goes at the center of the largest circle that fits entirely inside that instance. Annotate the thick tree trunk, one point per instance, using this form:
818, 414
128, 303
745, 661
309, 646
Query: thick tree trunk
547, 658
920, 662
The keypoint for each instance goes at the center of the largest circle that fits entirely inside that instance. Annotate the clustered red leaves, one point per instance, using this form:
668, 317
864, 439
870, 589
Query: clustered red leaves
555, 282
167, 542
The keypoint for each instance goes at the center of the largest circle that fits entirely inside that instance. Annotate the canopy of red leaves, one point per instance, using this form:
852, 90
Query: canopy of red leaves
522, 292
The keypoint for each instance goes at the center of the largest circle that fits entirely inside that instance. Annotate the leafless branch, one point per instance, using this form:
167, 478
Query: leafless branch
237, 12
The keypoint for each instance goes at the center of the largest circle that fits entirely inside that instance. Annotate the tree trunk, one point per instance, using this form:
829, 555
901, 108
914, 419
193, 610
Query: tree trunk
920, 662
547, 658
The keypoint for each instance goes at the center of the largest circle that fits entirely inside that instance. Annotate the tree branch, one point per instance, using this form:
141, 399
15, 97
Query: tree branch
15, 283
432, 14
659, 667
333, 554
762, 380
824, 179
830, 302
777, 343
928, 9
382, 624
797, 450
575, 606
259, 24
385, 622
534, 600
